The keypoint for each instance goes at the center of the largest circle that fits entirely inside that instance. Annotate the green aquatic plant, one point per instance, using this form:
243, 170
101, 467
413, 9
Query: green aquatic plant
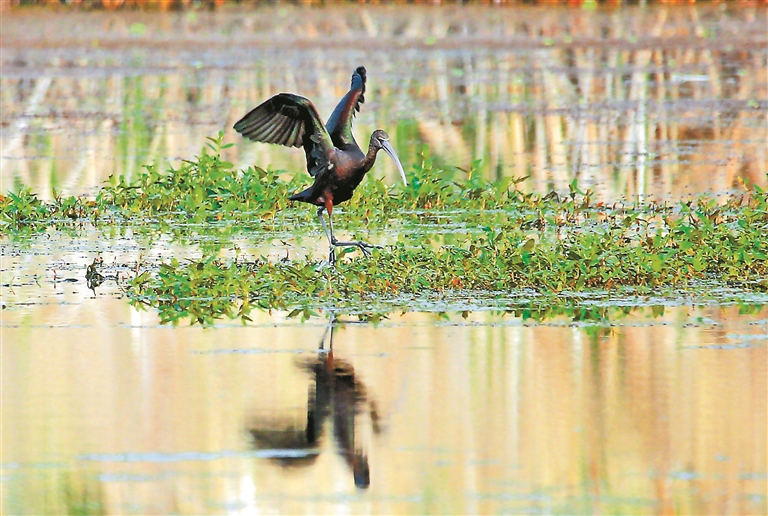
500, 239
502, 260
207, 189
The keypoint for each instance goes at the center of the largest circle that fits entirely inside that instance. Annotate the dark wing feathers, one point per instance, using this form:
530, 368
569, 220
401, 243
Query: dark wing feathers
296, 132
269, 133
286, 129
272, 120
317, 162
290, 120
339, 124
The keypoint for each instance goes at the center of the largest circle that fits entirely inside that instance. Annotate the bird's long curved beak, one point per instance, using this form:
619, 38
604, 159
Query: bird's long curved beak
389, 150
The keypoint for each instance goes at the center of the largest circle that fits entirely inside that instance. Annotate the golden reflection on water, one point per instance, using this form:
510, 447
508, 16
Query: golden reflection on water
104, 411
117, 415
662, 101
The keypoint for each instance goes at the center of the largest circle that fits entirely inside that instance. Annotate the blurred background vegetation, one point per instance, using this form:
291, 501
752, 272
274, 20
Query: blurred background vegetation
635, 101
213, 4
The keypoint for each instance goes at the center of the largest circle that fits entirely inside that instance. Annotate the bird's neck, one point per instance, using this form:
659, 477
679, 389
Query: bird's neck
370, 158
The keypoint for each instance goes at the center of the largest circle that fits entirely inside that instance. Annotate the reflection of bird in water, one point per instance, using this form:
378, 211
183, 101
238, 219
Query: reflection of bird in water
337, 393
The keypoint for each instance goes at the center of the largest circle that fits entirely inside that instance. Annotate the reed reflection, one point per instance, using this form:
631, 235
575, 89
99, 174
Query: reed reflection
337, 399
651, 107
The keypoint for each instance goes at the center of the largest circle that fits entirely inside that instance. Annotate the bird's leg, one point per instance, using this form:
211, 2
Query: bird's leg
322, 221
332, 252
363, 246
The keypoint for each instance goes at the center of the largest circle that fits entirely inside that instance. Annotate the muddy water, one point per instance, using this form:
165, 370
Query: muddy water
659, 101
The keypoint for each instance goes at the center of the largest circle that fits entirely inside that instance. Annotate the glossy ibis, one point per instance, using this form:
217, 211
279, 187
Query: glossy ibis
334, 158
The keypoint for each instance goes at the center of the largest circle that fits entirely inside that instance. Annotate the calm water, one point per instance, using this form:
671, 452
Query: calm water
105, 411
662, 101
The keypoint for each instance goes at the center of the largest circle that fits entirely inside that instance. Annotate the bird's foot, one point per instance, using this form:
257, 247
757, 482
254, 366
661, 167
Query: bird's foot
330, 262
365, 247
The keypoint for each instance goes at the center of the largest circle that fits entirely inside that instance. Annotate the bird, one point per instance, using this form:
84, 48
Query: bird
334, 159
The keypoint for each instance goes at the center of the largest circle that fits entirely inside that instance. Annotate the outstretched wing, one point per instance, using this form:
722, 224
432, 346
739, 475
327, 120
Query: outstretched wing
340, 122
290, 120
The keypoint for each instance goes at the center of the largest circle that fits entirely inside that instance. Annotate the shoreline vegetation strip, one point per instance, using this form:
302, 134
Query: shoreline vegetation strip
512, 240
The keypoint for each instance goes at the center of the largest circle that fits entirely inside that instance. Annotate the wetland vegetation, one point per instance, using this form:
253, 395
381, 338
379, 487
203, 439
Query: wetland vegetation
458, 237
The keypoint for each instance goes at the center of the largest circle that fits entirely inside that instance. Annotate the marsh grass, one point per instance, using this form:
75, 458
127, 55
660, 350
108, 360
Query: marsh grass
511, 240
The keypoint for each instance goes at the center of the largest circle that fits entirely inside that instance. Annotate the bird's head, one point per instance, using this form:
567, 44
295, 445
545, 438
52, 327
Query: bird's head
380, 140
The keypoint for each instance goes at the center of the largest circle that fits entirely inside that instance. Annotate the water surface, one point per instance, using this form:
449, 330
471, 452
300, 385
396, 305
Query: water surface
105, 411
663, 101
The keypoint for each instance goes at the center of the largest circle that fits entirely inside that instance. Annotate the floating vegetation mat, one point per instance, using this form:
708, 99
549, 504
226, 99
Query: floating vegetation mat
462, 243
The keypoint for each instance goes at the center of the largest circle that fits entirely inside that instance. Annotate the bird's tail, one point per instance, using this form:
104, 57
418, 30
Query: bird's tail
304, 196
